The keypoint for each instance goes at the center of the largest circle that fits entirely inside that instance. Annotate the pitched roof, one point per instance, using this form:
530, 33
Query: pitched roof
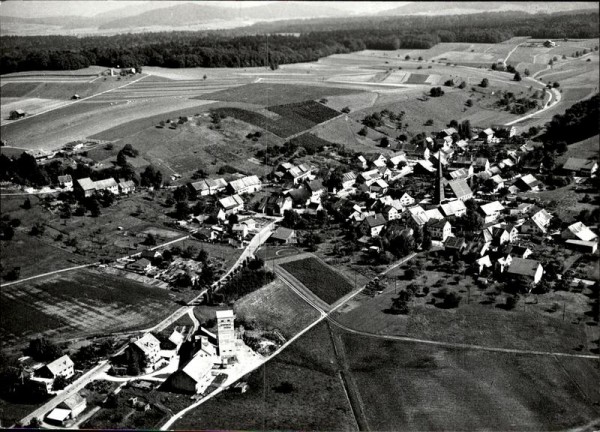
64, 178
434, 214
244, 182
59, 364
105, 184
453, 207
228, 313
73, 401
126, 184
523, 267
582, 232
230, 202
200, 365
315, 185
529, 180
375, 221
541, 218
349, 176
439, 223
148, 342
577, 164
491, 208
488, 131
454, 242
86, 184
458, 174
282, 233
460, 188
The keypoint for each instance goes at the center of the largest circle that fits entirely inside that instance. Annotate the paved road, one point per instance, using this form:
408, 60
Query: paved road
80, 383
5, 284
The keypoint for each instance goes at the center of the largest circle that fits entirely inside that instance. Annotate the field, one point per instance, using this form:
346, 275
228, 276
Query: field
275, 307
78, 304
479, 319
298, 390
327, 284
275, 94
416, 387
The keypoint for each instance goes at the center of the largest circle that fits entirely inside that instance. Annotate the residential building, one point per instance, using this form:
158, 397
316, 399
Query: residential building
75, 403
126, 186
283, 235
529, 269
491, 211
538, 223
62, 366
297, 174
249, 184
453, 208
197, 375
65, 181
230, 205
458, 189
146, 350
440, 230
415, 152
481, 164
373, 225
406, 200
527, 183
316, 189
143, 265
209, 186
454, 244
87, 187
578, 231
487, 135
348, 180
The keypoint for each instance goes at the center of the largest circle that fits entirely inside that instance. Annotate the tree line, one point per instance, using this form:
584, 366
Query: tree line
247, 47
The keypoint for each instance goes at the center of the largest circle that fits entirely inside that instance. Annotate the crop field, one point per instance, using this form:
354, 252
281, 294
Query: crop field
275, 307
275, 94
344, 131
354, 101
413, 387
77, 304
312, 111
321, 279
414, 78
313, 398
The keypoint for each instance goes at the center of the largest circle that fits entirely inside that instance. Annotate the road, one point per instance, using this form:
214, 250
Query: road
554, 96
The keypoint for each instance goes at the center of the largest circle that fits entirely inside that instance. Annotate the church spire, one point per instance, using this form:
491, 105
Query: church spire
439, 183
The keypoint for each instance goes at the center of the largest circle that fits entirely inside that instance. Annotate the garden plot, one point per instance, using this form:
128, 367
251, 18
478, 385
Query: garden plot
354, 101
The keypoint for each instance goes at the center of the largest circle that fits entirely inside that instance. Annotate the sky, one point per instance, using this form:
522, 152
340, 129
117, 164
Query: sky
47, 8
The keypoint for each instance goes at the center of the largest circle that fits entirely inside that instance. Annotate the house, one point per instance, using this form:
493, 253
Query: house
316, 189
483, 263
538, 223
513, 232
250, 223
440, 230
530, 270
373, 225
454, 244
491, 211
283, 235
500, 236
297, 174
300, 196
209, 186
390, 213
498, 183
62, 366
418, 215
142, 265
415, 152
518, 251
583, 246
580, 167
380, 186
424, 167
433, 214
361, 162
447, 132
249, 184
75, 403
578, 231
406, 200
509, 131
240, 231
398, 159
458, 189
377, 160
481, 164
196, 375
85, 186
549, 44
453, 208
527, 183
348, 180
58, 416
108, 184
503, 262
460, 173
144, 350
230, 205
65, 181
126, 186
487, 135
369, 177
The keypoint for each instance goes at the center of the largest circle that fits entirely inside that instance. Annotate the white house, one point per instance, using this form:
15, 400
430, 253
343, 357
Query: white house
491, 211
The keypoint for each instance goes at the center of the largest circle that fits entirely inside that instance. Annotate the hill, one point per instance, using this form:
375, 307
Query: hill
462, 7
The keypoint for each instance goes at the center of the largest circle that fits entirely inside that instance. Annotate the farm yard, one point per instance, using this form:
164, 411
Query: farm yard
453, 389
79, 304
319, 278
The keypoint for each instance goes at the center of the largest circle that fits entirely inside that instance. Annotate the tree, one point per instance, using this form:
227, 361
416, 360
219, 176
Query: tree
42, 349
407, 57
121, 158
60, 382
436, 92
449, 83
202, 256
451, 300
484, 83
128, 150
494, 66
526, 72
150, 240
517, 77
384, 142
462, 85
27, 204
363, 131
182, 210
13, 274
469, 103
511, 302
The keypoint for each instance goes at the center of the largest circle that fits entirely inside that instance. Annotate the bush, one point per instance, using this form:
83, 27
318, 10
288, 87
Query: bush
462, 85
451, 301
449, 83
436, 92
511, 302
484, 83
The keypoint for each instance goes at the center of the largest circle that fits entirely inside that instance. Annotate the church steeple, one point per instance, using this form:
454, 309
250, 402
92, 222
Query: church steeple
439, 181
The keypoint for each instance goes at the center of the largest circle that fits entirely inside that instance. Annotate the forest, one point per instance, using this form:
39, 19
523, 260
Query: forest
247, 47
577, 123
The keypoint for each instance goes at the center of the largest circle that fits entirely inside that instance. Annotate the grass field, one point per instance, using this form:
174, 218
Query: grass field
328, 285
315, 397
276, 307
78, 304
477, 320
416, 387
275, 94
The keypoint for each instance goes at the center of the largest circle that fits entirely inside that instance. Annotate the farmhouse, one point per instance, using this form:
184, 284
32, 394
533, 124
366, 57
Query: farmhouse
62, 366
145, 349
87, 187
530, 270
209, 186
76, 404
369, 177
414, 152
283, 236
297, 173
316, 189
453, 208
249, 184
578, 231
581, 167
65, 181
142, 265
487, 135
229, 205
518, 251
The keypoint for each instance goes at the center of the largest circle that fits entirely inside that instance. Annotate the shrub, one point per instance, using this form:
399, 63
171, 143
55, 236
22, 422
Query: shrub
449, 83
484, 83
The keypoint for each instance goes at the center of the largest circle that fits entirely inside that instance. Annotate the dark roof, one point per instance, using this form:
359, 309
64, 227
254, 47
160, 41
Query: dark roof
576, 164
523, 267
375, 221
315, 185
299, 195
455, 242
282, 233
